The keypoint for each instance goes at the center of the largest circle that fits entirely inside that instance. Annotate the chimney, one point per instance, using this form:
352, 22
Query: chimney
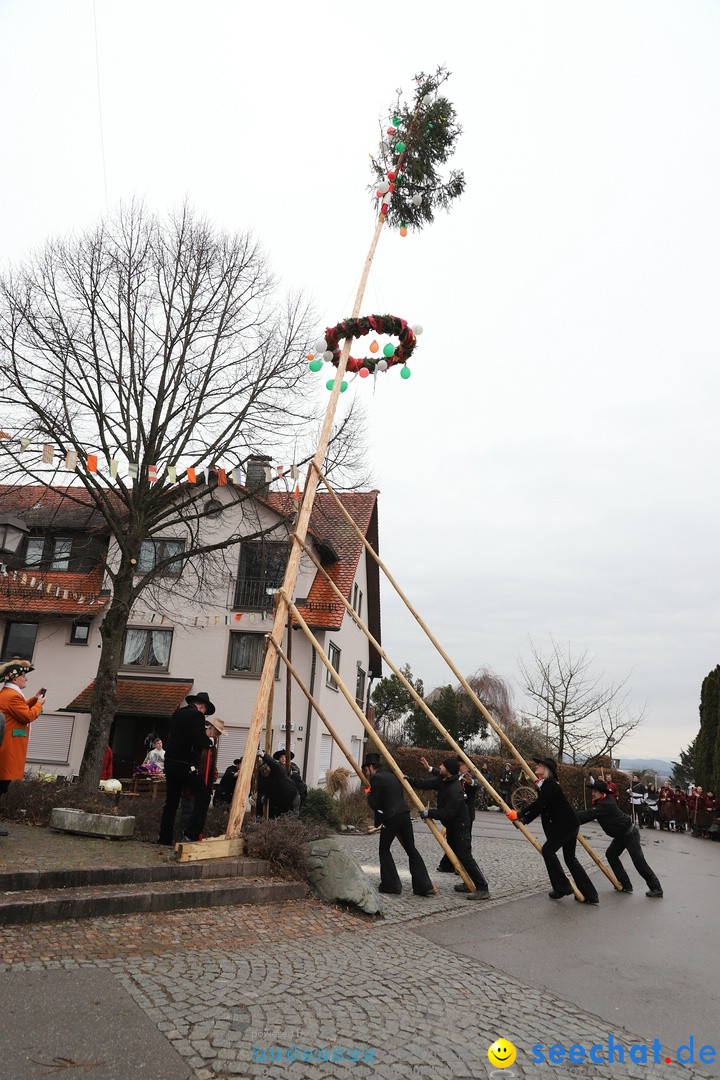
255, 475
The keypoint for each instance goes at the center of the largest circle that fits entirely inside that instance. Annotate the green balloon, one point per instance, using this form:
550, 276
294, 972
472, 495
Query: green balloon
399, 146
388, 350
315, 365
405, 373
343, 387
397, 120
330, 383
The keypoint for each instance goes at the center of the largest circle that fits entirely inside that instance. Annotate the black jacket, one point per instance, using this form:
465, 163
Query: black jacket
556, 813
386, 795
608, 815
451, 807
187, 738
278, 787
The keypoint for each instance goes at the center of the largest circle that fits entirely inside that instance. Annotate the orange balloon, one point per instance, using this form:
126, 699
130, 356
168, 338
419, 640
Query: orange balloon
403, 230
374, 346
311, 356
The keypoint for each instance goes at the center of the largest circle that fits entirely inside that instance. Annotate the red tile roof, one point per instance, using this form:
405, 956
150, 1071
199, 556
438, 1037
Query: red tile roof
140, 697
52, 593
323, 609
63, 507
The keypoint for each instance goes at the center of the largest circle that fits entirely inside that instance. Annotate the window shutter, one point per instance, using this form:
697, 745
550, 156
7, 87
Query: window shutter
232, 745
326, 743
49, 739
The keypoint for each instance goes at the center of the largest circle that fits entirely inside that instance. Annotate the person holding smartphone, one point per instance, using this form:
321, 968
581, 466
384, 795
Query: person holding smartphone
19, 714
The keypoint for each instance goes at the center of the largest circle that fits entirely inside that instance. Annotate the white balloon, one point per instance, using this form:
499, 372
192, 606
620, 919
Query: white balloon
384, 187
416, 200
382, 365
327, 356
427, 99
320, 345
417, 329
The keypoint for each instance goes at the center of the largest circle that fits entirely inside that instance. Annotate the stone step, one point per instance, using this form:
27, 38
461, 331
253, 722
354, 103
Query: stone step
38, 906
27, 880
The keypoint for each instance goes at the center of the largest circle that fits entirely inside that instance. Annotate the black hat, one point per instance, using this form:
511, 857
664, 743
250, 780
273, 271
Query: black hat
550, 762
601, 787
371, 759
452, 764
281, 753
12, 668
201, 699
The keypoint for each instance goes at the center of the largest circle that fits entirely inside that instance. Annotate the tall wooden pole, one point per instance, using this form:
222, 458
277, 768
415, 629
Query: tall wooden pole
242, 787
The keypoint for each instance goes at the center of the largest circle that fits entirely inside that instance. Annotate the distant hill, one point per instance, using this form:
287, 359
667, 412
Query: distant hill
659, 765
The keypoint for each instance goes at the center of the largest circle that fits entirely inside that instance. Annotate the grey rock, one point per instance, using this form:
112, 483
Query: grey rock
334, 874
111, 826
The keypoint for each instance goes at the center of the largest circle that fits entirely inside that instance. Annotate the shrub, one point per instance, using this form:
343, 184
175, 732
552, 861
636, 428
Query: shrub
353, 809
280, 841
320, 807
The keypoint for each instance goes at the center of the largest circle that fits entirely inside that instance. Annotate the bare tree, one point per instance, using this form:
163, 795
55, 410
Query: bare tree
583, 715
148, 343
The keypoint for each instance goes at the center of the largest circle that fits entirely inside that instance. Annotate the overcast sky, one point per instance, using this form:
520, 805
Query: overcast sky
551, 466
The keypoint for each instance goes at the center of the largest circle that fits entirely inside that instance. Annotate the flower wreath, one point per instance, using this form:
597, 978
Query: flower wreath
380, 324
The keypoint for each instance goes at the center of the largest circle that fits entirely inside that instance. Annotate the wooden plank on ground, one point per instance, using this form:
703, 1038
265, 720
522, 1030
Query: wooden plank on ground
212, 848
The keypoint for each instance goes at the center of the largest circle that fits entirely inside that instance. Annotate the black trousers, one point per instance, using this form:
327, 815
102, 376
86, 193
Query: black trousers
461, 844
630, 842
555, 872
400, 827
178, 778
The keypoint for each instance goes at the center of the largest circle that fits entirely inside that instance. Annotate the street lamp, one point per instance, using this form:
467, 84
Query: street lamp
12, 532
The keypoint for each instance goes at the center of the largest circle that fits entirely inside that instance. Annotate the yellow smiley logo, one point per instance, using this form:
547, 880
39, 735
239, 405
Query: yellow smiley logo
502, 1053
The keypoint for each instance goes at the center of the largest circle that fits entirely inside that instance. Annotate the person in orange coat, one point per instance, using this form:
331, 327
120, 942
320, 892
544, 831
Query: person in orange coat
19, 714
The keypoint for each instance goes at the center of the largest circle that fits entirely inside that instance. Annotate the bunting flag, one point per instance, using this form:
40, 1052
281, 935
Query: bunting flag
74, 459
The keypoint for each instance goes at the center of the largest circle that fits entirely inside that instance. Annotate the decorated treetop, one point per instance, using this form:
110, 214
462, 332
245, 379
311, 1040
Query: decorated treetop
418, 140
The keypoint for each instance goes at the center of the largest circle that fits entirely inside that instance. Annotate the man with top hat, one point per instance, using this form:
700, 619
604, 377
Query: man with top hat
452, 813
625, 837
275, 786
207, 771
19, 714
561, 829
185, 743
386, 799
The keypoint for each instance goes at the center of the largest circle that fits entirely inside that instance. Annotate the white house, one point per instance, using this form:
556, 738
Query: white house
54, 592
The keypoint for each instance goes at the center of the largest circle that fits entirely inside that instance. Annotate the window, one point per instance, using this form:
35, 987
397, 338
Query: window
80, 633
153, 552
148, 649
261, 572
19, 640
246, 655
334, 658
357, 600
326, 745
49, 739
360, 687
62, 549
34, 551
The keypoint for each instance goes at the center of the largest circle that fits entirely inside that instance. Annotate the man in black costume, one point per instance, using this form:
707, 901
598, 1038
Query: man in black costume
625, 837
386, 799
185, 744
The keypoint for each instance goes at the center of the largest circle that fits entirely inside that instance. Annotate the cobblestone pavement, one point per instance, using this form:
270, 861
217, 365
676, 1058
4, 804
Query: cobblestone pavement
233, 988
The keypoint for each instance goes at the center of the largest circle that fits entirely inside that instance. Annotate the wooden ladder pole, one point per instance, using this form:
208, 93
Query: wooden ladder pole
463, 681
380, 745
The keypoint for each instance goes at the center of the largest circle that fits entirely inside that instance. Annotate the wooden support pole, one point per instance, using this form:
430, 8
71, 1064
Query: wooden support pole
463, 681
380, 745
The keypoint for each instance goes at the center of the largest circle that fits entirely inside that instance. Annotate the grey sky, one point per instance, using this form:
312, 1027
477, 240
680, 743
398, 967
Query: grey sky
551, 465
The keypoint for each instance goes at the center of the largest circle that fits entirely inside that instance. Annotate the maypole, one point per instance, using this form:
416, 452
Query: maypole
408, 188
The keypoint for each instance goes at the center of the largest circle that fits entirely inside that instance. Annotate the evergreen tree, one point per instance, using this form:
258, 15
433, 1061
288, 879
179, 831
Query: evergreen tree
706, 742
683, 772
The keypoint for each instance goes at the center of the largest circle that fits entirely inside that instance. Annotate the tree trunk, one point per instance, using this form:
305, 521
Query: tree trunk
104, 698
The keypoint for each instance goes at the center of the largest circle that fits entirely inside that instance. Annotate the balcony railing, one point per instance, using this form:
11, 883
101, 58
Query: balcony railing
256, 594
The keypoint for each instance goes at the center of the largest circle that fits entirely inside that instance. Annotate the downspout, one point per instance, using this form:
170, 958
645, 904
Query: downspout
308, 722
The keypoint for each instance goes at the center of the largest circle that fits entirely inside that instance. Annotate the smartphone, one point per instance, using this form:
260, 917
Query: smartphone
42, 690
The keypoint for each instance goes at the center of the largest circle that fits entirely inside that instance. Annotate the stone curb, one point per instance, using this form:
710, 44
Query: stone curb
128, 900
26, 880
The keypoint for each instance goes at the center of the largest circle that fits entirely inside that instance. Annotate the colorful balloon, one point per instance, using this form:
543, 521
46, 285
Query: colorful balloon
374, 346
405, 373
320, 345
364, 372
382, 365
399, 146
388, 350
416, 200
397, 121
327, 355
417, 329
330, 383
343, 387
403, 230
316, 365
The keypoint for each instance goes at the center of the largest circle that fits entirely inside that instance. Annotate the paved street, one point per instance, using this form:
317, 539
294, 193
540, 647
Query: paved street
421, 993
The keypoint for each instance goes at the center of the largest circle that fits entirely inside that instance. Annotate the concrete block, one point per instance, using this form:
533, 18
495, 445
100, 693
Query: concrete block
111, 826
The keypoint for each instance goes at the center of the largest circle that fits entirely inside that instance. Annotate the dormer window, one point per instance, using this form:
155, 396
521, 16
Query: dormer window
34, 550
62, 549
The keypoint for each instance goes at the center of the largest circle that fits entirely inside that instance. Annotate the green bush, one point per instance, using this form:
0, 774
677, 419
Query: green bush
280, 840
319, 806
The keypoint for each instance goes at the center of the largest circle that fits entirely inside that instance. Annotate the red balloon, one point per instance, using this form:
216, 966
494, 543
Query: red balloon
364, 372
391, 176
